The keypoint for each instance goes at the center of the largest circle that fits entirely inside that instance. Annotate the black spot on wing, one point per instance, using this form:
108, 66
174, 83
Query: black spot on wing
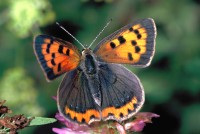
48, 47
53, 62
60, 49
92, 117
68, 115
139, 36
83, 120
131, 29
59, 67
136, 31
53, 55
121, 39
130, 57
67, 52
110, 114
75, 118
133, 42
112, 45
137, 49
121, 115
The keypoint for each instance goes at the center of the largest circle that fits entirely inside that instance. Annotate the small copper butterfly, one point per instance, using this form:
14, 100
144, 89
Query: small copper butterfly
96, 86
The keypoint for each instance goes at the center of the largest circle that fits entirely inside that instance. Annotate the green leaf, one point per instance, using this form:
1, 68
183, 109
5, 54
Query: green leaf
41, 121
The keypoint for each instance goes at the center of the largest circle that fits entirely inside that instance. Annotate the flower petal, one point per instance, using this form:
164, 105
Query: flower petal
59, 131
138, 124
60, 118
146, 116
120, 128
67, 131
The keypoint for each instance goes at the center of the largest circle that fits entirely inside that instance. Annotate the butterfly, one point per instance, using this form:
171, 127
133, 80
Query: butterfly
96, 86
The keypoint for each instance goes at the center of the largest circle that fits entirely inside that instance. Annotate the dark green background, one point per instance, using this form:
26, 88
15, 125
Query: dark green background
171, 83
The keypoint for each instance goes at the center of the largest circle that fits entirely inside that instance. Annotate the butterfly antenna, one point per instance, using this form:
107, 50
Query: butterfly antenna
70, 34
100, 33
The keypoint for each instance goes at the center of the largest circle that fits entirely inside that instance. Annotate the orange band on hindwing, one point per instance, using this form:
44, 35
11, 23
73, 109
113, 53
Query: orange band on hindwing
82, 117
121, 112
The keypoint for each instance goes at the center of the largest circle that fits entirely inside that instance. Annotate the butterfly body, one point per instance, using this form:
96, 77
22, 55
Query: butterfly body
90, 67
96, 87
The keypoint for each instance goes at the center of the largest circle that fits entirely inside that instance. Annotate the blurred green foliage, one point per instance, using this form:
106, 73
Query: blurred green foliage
35, 12
17, 88
171, 83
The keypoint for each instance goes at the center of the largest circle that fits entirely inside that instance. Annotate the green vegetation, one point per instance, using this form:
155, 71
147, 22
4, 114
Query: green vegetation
171, 83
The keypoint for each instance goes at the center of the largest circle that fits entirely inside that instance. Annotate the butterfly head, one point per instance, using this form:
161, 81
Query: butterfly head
86, 51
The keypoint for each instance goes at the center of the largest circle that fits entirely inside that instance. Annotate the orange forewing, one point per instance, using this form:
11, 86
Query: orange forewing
133, 44
55, 55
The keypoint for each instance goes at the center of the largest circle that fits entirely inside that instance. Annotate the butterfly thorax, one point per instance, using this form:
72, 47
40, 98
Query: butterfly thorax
89, 63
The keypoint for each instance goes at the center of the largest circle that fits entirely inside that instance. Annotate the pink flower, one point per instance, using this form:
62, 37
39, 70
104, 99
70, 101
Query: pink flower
120, 128
136, 125
67, 131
